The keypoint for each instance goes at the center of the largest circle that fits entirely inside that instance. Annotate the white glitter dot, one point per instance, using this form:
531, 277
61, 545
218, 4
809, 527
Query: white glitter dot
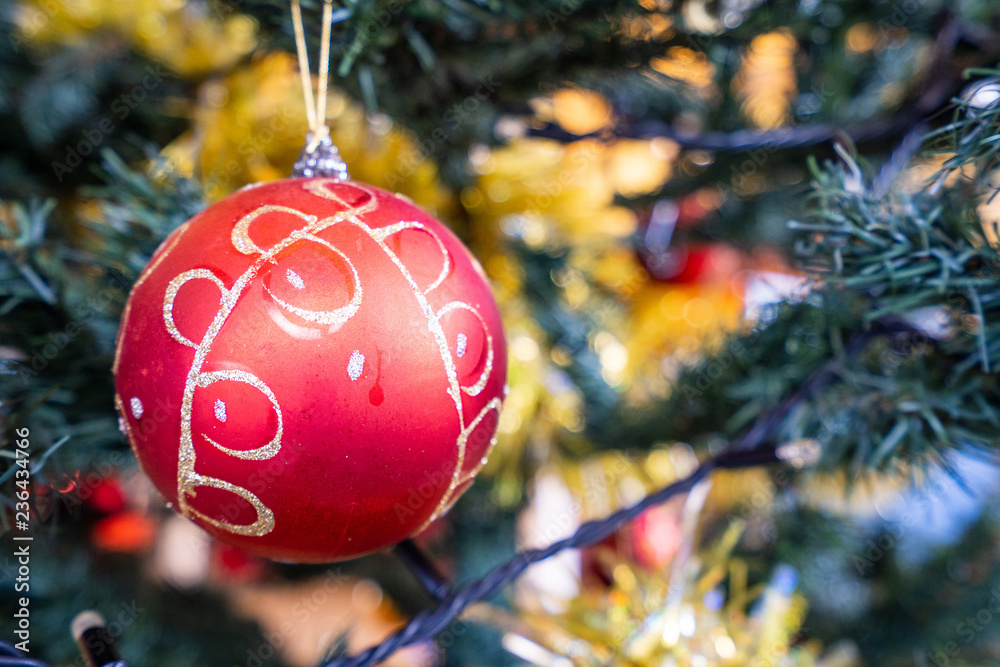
461, 345
220, 410
295, 279
356, 365
136, 406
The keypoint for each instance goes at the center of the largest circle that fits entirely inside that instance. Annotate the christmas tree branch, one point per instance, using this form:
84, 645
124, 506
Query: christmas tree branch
908, 252
917, 261
942, 81
61, 301
742, 141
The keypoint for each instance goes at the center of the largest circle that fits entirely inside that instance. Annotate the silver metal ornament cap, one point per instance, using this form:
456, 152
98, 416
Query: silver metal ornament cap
320, 158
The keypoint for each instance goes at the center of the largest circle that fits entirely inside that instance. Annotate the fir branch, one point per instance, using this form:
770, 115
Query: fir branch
908, 251
744, 140
20, 239
941, 81
920, 256
907, 259
971, 138
138, 210
68, 289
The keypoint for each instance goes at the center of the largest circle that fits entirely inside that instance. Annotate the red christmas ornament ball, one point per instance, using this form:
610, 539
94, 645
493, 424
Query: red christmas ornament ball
311, 369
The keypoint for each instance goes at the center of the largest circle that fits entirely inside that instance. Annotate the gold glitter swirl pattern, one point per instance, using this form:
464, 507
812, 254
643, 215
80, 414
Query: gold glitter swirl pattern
261, 453
241, 232
188, 479
171, 295
351, 214
455, 390
477, 387
382, 232
318, 187
335, 318
265, 517
457, 479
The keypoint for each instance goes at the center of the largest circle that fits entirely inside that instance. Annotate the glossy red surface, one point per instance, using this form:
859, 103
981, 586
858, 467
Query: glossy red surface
311, 370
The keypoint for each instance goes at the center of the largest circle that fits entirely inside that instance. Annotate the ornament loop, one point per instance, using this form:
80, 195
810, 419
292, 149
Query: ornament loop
320, 158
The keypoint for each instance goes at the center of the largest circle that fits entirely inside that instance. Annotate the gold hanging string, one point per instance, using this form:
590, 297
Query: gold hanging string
300, 46
319, 157
324, 66
315, 104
